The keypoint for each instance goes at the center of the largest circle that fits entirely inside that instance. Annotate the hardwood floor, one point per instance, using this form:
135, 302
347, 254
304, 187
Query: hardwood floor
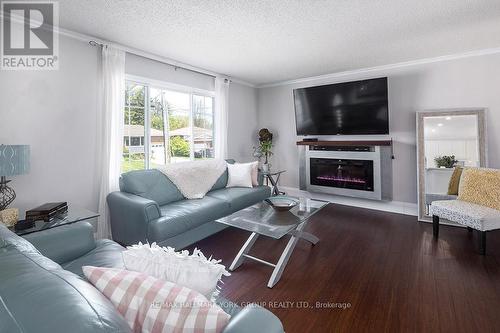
388, 267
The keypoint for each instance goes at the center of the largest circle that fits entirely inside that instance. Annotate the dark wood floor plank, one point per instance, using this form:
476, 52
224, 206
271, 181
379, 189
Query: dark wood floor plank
396, 276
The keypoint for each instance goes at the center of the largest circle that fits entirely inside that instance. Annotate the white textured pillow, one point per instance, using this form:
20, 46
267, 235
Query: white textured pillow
149, 304
193, 271
255, 172
239, 175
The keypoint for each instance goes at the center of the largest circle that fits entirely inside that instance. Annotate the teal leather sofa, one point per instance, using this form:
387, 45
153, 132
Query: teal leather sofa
150, 208
42, 289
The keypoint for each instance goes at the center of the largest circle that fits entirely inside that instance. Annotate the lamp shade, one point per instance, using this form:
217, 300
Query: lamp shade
14, 160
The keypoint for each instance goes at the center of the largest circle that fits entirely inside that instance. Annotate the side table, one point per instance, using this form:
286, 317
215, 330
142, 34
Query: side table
273, 177
73, 215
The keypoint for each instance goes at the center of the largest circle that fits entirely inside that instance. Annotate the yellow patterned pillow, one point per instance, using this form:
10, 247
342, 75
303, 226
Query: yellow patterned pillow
480, 186
455, 181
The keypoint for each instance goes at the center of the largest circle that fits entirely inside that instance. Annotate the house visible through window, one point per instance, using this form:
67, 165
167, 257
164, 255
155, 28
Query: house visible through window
166, 126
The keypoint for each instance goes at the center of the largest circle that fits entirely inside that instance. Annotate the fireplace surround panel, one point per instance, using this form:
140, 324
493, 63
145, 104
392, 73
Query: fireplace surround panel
362, 173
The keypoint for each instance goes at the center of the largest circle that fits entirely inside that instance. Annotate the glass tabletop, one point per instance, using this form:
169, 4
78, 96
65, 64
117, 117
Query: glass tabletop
272, 173
264, 220
74, 214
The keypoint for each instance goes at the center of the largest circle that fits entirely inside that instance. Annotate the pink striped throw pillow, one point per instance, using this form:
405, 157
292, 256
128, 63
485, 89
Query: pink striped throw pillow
154, 305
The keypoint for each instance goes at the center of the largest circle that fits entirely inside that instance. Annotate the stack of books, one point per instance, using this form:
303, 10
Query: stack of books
47, 212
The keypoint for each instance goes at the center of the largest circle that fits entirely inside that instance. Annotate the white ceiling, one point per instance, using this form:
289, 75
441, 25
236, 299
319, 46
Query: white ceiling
263, 41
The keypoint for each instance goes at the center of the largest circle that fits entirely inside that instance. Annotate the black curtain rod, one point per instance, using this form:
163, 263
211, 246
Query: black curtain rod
94, 43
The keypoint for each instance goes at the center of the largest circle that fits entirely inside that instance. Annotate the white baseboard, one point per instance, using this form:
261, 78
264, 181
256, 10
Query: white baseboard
406, 208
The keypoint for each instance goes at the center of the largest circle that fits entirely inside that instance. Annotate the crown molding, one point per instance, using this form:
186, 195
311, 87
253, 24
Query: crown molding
369, 70
243, 83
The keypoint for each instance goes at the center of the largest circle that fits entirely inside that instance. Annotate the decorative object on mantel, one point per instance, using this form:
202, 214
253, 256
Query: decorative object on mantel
264, 148
14, 160
9, 216
445, 161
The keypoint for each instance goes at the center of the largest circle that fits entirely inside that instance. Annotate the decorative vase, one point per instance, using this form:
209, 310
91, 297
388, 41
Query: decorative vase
265, 167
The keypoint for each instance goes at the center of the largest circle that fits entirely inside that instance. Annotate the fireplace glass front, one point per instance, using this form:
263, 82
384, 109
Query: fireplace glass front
342, 173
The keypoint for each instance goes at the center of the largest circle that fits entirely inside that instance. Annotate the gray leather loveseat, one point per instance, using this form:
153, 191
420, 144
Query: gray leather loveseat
149, 207
42, 289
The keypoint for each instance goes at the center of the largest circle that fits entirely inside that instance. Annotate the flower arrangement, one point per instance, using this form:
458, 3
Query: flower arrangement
265, 147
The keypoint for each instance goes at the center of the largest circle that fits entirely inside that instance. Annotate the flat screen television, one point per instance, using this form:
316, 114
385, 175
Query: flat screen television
350, 108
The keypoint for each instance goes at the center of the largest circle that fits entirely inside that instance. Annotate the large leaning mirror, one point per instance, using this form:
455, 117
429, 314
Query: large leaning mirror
446, 139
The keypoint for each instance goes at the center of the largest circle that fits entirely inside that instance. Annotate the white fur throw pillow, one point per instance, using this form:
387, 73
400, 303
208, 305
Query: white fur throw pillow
239, 175
193, 271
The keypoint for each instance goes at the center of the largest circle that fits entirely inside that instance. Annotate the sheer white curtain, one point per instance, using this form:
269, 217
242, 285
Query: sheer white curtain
110, 140
221, 116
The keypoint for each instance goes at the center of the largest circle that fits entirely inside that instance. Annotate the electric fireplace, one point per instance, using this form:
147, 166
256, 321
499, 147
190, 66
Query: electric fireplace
347, 168
351, 174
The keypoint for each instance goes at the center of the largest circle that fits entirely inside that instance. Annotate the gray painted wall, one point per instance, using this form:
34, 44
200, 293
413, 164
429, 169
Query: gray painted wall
56, 113
468, 82
243, 126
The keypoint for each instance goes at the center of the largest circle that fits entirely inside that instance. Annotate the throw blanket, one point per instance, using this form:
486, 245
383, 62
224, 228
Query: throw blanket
194, 179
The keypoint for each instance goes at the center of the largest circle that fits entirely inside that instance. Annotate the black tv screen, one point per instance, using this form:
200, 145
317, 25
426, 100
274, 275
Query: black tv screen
350, 108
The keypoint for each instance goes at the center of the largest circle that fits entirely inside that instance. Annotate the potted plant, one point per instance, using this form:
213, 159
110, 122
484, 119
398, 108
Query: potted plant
265, 148
445, 161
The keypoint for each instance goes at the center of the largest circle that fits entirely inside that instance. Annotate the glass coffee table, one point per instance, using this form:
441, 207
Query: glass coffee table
262, 219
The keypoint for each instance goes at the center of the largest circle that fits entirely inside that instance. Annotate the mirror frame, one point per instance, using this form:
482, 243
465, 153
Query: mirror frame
481, 135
